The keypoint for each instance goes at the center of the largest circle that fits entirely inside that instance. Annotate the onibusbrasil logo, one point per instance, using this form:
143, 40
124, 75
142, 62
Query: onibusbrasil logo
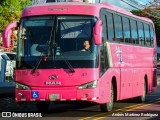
14, 114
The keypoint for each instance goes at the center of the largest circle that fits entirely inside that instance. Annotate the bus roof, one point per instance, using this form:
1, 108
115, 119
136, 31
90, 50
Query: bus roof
75, 8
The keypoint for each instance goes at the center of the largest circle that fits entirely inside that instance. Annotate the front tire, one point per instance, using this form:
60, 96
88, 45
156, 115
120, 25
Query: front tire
107, 107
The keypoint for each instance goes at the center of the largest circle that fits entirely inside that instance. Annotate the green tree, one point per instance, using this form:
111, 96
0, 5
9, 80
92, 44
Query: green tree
10, 10
137, 12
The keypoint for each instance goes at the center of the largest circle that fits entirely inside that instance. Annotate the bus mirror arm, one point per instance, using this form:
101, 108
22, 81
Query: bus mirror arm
97, 32
6, 37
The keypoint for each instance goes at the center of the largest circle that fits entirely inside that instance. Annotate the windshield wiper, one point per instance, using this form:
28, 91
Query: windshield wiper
52, 45
42, 56
37, 65
55, 45
48, 47
65, 60
68, 63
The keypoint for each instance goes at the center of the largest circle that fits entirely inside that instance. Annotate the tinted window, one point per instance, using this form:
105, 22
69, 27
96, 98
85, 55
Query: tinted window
118, 28
134, 32
110, 26
141, 33
126, 29
104, 32
152, 34
38, 37
147, 35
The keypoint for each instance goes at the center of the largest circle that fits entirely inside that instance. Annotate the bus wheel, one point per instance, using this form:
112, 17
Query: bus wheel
106, 107
141, 99
42, 106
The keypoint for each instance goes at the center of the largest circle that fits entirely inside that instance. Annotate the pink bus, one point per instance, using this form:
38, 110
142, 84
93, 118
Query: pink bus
91, 52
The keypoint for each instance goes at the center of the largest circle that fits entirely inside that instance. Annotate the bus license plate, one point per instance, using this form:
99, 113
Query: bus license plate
53, 96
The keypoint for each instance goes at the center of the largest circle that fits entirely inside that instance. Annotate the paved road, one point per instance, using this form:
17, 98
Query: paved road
126, 110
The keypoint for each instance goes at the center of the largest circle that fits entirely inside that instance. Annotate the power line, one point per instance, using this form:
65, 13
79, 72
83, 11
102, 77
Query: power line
129, 4
134, 4
153, 12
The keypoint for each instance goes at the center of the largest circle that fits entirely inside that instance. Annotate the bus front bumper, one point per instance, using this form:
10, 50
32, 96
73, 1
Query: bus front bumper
67, 94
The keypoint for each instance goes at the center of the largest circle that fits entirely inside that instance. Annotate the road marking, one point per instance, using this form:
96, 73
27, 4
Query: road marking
127, 110
141, 105
108, 112
123, 109
118, 110
101, 118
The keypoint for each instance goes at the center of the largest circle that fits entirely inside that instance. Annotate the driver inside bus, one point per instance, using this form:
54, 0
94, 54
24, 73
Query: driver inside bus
86, 46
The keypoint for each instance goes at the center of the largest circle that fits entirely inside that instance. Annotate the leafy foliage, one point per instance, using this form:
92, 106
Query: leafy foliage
137, 12
10, 10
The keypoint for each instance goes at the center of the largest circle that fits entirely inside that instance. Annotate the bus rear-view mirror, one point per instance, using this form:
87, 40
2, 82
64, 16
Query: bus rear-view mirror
97, 32
6, 37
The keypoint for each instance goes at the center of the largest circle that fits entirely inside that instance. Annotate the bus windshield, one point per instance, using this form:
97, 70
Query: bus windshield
69, 35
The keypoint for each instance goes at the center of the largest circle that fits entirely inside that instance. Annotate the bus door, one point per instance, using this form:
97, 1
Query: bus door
122, 71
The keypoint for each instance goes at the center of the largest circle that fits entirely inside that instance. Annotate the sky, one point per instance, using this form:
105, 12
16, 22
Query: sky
126, 6
143, 1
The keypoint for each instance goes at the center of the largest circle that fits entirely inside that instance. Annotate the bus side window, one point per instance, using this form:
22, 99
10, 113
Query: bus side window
147, 35
105, 30
141, 33
118, 28
126, 29
151, 34
110, 26
134, 32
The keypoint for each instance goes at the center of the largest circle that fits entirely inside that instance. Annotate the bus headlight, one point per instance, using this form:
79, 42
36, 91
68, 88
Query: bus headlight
92, 84
22, 87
